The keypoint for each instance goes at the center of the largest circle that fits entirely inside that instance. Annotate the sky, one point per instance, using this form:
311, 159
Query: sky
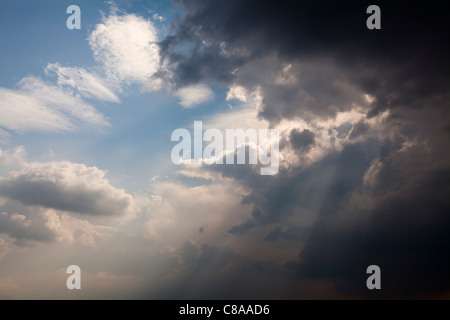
87, 179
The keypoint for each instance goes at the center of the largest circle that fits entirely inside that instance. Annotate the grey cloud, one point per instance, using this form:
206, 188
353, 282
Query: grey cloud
314, 87
257, 217
395, 215
291, 234
302, 141
24, 225
197, 66
50, 195
256, 213
242, 228
190, 252
405, 234
215, 258
358, 130
65, 186
321, 187
381, 199
335, 58
219, 273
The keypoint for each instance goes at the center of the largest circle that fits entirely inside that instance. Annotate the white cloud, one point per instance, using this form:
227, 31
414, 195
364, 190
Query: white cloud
127, 48
70, 229
40, 106
88, 84
192, 95
238, 93
66, 186
44, 195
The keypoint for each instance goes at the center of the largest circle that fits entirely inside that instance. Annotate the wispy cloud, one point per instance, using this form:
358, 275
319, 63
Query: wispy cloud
88, 84
37, 105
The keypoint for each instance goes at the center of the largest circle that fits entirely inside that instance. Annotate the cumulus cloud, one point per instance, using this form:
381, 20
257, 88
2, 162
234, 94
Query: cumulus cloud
126, 46
26, 227
305, 89
65, 186
53, 201
69, 229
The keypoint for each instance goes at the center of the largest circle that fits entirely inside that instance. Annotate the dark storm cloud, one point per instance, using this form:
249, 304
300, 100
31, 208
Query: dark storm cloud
405, 233
189, 252
242, 228
405, 64
210, 62
321, 187
302, 141
206, 257
257, 218
378, 200
359, 129
395, 216
290, 234
212, 272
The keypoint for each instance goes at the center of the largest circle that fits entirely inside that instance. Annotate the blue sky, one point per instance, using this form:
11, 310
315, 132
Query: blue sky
135, 147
